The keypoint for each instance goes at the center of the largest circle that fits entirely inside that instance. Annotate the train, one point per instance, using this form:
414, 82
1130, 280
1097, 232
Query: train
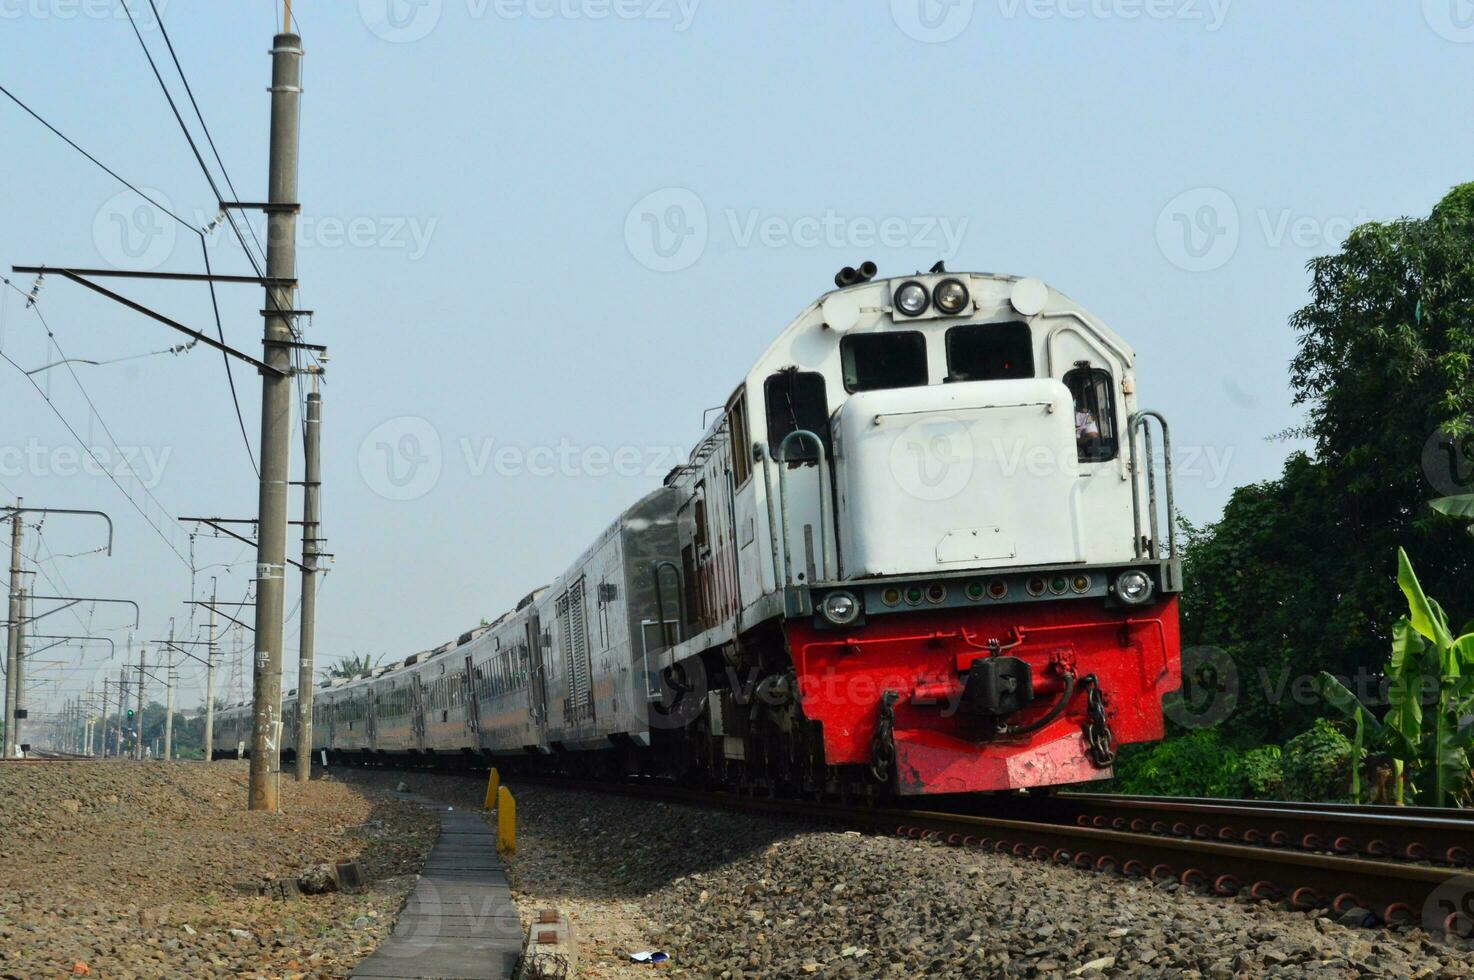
927, 546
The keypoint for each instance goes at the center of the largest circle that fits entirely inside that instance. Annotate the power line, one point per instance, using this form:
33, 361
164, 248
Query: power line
214, 188
219, 328
106, 472
35, 307
105, 168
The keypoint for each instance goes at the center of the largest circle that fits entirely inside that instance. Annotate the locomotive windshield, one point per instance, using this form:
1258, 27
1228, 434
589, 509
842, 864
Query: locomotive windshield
990, 352
873, 361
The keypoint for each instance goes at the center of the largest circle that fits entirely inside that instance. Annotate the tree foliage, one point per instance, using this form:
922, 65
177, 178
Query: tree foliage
1300, 574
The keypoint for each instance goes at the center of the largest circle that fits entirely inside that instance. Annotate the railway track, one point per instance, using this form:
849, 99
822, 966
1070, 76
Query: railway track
1400, 866
1410, 866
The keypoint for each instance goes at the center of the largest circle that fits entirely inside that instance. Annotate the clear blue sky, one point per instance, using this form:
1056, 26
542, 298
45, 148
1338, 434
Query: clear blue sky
480, 179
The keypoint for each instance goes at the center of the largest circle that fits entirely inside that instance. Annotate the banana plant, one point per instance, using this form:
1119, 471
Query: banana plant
1461, 506
1428, 728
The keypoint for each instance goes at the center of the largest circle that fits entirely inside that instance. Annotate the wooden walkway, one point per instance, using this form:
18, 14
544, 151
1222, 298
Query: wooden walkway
460, 922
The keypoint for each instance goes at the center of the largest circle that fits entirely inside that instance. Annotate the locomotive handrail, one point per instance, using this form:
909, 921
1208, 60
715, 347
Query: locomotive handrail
655, 569
824, 498
760, 450
1139, 423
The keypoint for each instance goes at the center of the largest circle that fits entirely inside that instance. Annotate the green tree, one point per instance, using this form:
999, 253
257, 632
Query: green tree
351, 665
1300, 574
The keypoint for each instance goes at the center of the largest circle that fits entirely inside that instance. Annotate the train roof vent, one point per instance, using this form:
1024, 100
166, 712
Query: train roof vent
531, 597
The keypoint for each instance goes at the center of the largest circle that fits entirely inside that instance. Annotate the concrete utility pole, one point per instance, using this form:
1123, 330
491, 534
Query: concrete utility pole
276, 416
310, 541
122, 700
138, 722
20, 666
170, 678
210, 679
12, 645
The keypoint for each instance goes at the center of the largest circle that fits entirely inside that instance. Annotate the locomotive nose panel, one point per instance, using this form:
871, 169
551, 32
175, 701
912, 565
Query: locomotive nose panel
973, 474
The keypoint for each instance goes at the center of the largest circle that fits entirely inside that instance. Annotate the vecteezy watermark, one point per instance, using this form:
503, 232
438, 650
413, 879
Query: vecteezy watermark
1449, 909
1200, 230
141, 233
1448, 463
669, 230
403, 459
939, 21
1210, 13
1210, 689
132, 232
83, 10
933, 21
405, 21
567, 459
145, 464
938, 457
1452, 20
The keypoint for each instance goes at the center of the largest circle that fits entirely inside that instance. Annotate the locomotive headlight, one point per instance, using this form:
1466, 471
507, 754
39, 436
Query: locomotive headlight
840, 608
951, 296
912, 298
1134, 588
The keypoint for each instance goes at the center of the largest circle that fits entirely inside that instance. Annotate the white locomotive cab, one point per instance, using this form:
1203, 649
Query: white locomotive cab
998, 437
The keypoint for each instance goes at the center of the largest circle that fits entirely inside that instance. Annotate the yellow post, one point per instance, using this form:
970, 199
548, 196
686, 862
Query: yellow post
506, 822
492, 783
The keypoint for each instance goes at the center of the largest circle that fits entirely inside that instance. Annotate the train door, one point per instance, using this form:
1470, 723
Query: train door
371, 717
537, 687
469, 696
417, 712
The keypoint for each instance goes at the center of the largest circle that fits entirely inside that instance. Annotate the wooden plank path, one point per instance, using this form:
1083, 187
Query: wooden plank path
460, 922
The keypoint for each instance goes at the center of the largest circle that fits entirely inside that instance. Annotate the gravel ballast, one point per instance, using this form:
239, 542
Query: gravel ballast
127, 869
732, 895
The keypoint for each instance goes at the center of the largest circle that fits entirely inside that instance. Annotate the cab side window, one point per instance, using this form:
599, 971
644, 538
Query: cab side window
796, 400
1095, 413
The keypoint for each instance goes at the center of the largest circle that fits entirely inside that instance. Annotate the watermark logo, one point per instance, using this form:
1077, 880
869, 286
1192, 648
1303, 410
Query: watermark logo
1452, 20
1211, 13
400, 21
932, 459
932, 21
401, 458
1201, 230
1198, 231
667, 230
1449, 909
1210, 689
406, 21
132, 233
83, 10
145, 464
1448, 463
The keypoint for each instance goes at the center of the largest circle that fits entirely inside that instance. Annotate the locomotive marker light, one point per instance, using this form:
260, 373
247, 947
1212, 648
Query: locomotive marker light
841, 312
951, 296
1134, 588
1029, 296
840, 608
912, 299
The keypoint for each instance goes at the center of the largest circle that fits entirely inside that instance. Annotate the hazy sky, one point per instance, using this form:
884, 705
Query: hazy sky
541, 237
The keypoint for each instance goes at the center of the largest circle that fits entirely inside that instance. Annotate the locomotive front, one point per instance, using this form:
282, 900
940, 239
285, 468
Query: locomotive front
972, 531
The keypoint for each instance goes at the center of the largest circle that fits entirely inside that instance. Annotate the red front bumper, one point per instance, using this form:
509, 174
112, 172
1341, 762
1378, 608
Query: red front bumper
920, 657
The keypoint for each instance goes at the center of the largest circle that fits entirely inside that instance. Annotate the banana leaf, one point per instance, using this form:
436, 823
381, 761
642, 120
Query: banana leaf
1461, 506
1407, 671
1427, 618
1376, 734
